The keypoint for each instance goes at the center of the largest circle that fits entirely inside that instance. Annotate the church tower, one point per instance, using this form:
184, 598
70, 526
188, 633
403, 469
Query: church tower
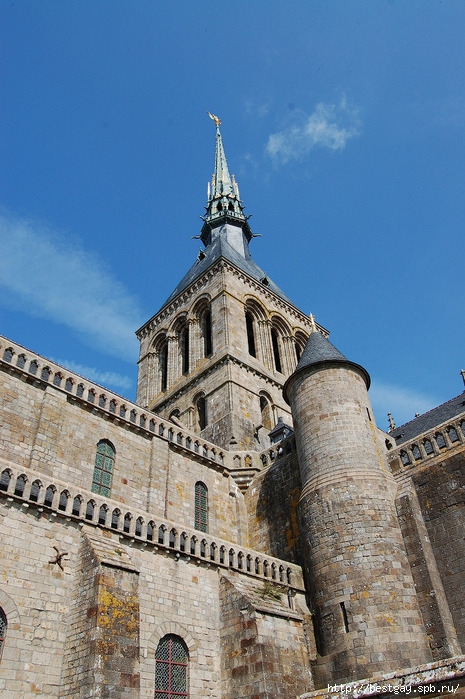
217, 354
365, 605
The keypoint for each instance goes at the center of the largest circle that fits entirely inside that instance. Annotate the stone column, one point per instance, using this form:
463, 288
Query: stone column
263, 341
195, 343
173, 360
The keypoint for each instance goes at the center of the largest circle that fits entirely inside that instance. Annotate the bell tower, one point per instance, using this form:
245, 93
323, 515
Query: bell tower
217, 353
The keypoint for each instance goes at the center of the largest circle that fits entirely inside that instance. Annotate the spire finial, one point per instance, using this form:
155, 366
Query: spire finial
463, 376
215, 118
312, 323
392, 424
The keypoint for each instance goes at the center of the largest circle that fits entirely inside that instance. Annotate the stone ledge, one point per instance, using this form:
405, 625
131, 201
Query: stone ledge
430, 679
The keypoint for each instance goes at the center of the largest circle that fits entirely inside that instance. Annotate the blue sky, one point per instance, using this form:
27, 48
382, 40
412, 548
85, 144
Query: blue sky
343, 122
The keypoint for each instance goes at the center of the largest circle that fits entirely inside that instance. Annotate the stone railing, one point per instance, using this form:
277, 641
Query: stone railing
56, 499
42, 372
429, 445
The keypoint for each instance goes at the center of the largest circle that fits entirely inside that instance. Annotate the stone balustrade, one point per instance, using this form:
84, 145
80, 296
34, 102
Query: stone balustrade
431, 444
56, 499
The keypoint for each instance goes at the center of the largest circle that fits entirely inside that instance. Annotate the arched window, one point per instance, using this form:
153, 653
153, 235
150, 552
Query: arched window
300, 342
266, 412
3, 625
184, 348
103, 470
428, 447
276, 354
171, 664
21, 363
201, 410
163, 365
8, 354
207, 333
250, 334
201, 507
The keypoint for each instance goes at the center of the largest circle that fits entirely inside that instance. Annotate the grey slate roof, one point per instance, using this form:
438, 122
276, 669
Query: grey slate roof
427, 421
319, 350
221, 248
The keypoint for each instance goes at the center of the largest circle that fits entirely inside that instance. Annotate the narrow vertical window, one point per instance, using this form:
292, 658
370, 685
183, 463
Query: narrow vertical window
163, 364
266, 413
201, 406
201, 507
208, 340
250, 334
184, 340
103, 470
276, 355
3, 625
171, 664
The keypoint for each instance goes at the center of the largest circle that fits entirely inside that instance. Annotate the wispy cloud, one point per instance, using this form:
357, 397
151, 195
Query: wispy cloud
48, 276
330, 126
104, 378
401, 402
257, 109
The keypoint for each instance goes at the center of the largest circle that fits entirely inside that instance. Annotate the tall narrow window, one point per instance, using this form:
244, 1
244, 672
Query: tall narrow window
3, 625
184, 342
208, 340
103, 470
171, 664
201, 407
163, 365
266, 412
276, 355
250, 334
201, 507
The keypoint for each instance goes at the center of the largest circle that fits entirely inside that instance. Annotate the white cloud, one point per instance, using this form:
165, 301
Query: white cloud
103, 378
400, 401
53, 278
330, 126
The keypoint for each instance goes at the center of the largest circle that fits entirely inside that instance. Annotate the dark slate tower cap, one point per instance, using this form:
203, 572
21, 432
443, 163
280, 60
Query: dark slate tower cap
319, 352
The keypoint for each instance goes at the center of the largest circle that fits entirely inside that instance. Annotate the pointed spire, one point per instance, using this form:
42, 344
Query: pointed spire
222, 184
320, 353
223, 199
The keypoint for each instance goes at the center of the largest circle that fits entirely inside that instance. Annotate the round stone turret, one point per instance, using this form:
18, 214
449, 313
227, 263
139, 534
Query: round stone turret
366, 613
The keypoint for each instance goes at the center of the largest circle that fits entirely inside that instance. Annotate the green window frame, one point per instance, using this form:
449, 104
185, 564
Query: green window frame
103, 469
201, 507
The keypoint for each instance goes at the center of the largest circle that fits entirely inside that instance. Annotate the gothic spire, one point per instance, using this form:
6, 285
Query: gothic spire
223, 199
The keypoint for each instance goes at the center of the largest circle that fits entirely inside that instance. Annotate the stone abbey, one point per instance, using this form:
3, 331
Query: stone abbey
243, 530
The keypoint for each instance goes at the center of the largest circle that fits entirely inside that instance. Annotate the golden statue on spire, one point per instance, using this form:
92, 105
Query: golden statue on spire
215, 118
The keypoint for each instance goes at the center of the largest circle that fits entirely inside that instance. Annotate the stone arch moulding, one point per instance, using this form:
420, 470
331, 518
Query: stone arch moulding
10, 609
172, 627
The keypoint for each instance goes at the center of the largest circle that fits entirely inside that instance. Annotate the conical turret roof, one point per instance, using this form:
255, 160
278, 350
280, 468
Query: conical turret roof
319, 352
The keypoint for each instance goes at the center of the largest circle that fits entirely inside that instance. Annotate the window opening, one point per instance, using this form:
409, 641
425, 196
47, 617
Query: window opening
201, 404
201, 507
171, 663
35, 492
185, 349
103, 470
49, 493
440, 441
250, 335
344, 616
5, 480
208, 334
3, 625
276, 356
164, 366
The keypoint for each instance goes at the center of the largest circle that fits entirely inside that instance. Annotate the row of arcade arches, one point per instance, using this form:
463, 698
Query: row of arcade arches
271, 340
